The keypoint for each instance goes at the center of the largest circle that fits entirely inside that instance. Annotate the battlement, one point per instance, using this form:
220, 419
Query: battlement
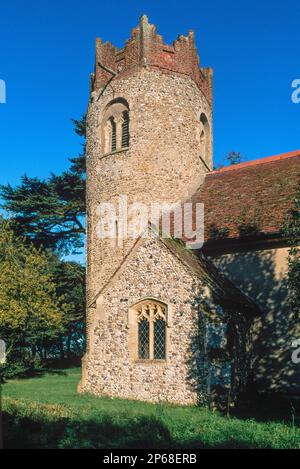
146, 48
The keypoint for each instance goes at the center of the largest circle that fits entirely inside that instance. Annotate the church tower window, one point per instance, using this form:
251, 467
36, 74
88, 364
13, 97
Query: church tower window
115, 127
204, 138
125, 130
113, 135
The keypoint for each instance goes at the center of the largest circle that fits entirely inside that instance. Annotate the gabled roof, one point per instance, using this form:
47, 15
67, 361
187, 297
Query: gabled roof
221, 288
250, 199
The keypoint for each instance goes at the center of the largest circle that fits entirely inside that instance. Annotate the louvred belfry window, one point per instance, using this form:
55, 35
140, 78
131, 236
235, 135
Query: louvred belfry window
113, 135
125, 130
151, 318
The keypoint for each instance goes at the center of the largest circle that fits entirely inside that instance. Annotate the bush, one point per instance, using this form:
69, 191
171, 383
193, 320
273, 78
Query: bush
21, 366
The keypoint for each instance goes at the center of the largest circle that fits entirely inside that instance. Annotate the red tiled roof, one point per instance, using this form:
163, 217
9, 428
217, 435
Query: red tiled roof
250, 198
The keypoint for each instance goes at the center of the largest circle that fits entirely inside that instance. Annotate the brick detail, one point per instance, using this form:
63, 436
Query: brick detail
146, 48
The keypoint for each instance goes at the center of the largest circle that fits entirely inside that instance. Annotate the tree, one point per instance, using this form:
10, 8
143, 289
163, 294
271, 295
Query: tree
69, 278
46, 219
234, 157
292, 232
30, 312
50, 213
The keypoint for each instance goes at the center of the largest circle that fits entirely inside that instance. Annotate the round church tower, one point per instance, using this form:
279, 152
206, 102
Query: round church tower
149, 133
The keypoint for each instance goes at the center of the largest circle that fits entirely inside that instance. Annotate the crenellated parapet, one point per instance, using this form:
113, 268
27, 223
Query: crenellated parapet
146, 48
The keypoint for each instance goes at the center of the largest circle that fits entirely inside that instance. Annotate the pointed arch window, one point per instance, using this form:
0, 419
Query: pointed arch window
144, 339
151, 319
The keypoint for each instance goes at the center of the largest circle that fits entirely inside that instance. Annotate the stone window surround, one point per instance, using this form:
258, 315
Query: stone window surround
122, 150
113, 110
204, 136
133, 331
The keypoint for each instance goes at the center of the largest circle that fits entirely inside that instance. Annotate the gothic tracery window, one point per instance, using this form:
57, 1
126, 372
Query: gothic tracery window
115, 126
151, 320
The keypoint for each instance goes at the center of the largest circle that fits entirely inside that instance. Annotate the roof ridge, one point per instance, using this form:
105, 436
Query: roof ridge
267, 159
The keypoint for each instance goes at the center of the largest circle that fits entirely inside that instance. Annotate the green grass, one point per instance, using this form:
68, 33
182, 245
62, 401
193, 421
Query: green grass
47, 412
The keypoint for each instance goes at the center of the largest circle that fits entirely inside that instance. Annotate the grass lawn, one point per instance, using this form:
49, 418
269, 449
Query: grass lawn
47, 412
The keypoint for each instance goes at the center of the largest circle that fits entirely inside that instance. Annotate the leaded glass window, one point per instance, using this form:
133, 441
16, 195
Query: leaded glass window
159, 339
151, 318
144, 339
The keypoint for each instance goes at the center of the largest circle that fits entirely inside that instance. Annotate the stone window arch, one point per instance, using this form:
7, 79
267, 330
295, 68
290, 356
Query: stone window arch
204, 137
115, 126
148, 324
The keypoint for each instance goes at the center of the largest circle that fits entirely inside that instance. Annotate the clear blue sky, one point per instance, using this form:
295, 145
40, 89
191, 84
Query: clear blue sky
47, 54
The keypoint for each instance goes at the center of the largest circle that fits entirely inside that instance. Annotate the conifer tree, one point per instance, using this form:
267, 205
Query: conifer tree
50, 213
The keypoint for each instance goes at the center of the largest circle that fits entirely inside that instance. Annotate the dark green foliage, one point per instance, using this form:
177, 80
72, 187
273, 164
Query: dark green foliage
78, 163
42, 305
80, 126
51, 212
234, 157
22, 364
292, 232
70, 287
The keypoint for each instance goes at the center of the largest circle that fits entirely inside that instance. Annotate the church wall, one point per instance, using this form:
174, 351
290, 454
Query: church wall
197, 360
109, 366
262, 274
162, 162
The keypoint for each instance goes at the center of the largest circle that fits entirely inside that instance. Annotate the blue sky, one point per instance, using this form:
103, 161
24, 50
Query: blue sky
47, 54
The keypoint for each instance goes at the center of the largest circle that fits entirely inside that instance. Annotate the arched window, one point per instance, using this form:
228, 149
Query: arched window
113, 134
125, 130
115, 126
204, 138
151, 318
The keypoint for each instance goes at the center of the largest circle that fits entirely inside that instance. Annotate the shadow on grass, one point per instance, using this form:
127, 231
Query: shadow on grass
142, 432
268, 408
50, 367
33, 373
